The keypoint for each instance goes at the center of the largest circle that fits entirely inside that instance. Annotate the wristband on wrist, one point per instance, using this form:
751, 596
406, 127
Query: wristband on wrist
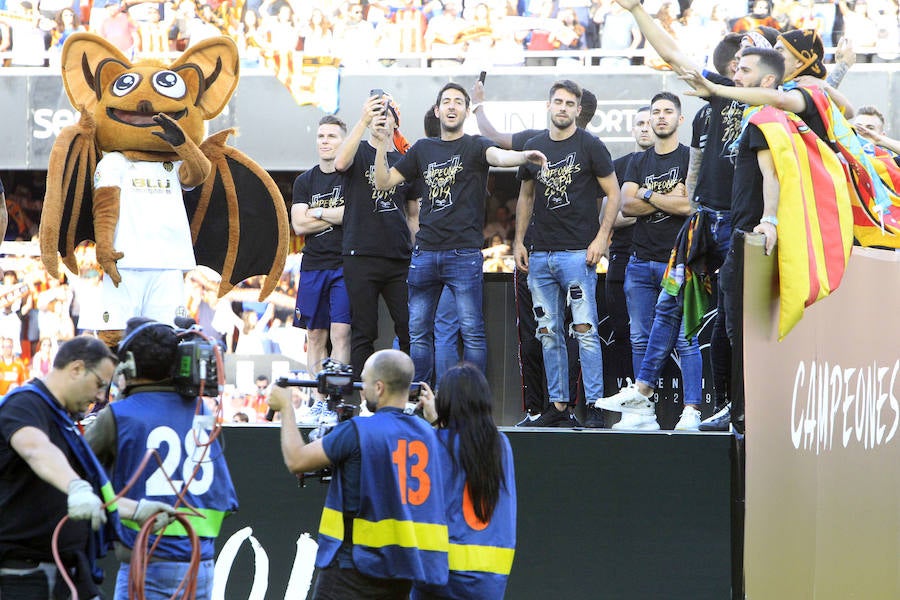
475, 107
771, 219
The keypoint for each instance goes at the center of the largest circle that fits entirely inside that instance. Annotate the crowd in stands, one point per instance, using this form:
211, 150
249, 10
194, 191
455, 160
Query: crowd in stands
270, 33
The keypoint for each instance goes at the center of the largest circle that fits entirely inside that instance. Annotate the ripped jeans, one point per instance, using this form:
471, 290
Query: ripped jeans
556, 278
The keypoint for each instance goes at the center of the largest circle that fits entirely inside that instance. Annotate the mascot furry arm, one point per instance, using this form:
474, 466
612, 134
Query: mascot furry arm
152, 111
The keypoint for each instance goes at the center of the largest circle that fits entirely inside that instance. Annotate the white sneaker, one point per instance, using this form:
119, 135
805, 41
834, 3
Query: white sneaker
690, 419
628, 400
317, 413
633, 422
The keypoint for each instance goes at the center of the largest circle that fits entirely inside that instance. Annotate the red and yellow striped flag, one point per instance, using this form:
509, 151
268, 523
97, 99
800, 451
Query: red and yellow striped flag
875, 194
815, 221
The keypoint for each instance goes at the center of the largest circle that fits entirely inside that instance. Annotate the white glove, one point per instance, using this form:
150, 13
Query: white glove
84, 504
148, 509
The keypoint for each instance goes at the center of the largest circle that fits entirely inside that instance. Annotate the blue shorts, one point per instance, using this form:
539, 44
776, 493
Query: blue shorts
321, 299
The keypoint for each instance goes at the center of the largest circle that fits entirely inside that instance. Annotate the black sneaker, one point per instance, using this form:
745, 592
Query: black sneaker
554, 418
595, 418
527, 421
719, 421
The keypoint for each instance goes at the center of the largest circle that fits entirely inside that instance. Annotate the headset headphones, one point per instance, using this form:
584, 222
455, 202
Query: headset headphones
126, 365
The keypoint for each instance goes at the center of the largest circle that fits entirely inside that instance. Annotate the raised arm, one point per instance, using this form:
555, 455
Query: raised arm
664, 44
485, 127
790, 100
345, 154
385, 177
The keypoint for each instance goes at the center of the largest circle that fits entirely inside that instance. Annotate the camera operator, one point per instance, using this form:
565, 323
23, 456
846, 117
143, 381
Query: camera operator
387, 489
47, 472
153, 414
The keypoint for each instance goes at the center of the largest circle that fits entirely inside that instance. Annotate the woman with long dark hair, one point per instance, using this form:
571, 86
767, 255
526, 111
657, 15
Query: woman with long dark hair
479, 487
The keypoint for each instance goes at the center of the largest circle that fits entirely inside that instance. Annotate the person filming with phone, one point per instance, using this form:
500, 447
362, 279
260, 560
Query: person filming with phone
384, 525
376, 265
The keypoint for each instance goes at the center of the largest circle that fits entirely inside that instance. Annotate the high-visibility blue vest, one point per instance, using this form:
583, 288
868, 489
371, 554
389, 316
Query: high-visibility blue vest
165, 421
481, 554
400, 530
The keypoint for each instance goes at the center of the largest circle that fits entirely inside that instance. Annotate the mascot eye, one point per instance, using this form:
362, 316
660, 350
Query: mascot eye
169, 84
125, 83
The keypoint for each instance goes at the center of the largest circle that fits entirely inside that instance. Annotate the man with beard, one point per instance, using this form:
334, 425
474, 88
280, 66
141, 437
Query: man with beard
755, 180
447, 250
654, 192
566, 242
712, 194
382, 473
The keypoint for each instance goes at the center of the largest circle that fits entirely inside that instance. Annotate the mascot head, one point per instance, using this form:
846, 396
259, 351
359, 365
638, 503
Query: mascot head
123, 97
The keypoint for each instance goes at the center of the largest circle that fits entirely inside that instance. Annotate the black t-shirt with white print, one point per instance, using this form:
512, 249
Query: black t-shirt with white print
654, 234
716, 175
566, 196
321, 190
454, 176
375, 221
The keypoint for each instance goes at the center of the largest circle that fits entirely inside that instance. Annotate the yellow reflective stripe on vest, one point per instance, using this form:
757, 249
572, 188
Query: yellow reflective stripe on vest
486, 559
204, 527
389, 532
408, 534
332, 523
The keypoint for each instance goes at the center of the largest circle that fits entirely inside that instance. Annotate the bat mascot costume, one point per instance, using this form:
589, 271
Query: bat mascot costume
135, 176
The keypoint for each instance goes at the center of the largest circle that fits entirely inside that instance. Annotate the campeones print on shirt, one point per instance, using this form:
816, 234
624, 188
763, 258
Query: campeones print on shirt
383, 200
439, 178
663, 183
556, 179
332, 199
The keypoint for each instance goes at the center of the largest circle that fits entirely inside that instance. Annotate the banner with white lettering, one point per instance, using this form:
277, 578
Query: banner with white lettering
823, 445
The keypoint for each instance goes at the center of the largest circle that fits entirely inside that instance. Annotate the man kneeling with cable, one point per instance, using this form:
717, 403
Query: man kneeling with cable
191, 472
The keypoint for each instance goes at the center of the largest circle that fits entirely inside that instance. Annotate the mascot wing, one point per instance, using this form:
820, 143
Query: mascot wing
67, 218
239, 221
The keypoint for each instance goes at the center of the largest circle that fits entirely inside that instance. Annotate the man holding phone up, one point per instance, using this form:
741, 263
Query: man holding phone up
378, 230
447, 250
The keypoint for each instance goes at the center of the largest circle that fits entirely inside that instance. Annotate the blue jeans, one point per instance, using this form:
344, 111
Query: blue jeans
556, 278
446, 336
667, 325
164, 577
644, 294
429, 272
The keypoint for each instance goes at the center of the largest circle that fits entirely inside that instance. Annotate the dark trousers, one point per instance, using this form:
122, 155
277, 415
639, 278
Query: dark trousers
531, 353
334, 583
366, 278
619, 356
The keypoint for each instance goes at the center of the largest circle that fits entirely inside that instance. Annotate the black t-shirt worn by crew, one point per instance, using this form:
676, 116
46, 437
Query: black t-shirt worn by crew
620, 242
747, 203
30, 508
454, 175
321, 190
566, 195
714, 181
654, 234
375, 221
